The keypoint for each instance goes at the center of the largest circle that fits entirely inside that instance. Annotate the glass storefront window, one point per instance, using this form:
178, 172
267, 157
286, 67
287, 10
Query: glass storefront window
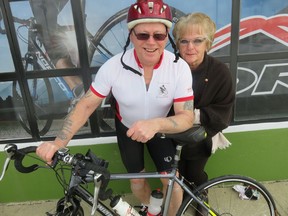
51, 103
111, 26
263, 26
6, 62
46, 34
10, 109
262, 90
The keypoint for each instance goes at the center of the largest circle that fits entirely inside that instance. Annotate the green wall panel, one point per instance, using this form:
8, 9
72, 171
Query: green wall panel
259, 154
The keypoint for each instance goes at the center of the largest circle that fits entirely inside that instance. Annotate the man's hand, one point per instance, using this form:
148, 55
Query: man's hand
47, 150
143, 131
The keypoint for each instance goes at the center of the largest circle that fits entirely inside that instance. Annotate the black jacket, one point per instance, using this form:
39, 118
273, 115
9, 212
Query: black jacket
214, 96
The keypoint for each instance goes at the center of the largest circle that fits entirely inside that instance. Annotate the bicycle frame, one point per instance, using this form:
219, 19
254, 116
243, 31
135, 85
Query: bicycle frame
172, 176
89, 168
42, 60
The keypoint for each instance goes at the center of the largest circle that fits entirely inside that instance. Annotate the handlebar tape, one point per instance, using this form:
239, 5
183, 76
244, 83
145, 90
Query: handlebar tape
19, 156
190, 136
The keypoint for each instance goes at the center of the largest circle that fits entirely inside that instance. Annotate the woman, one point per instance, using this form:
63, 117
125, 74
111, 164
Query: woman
213, 88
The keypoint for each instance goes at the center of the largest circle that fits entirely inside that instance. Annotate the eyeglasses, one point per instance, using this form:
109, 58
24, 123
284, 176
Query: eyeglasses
195, 42
146, 36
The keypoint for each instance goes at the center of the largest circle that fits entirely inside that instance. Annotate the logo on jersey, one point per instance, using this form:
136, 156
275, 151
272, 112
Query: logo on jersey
163, 92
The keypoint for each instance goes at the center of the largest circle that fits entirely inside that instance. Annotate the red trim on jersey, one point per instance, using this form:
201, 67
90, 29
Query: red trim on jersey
184, 99
140, 65
97, 93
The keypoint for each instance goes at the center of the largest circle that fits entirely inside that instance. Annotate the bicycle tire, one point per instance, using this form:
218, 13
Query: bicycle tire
64, 208
43, 124
69, 212
224, 200
101, 42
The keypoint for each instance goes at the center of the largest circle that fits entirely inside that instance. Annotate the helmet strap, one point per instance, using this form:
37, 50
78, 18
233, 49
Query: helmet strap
174, 48
122, 62
125, 66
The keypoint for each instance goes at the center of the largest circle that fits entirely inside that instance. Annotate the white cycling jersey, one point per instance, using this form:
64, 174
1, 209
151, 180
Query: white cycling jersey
171, 83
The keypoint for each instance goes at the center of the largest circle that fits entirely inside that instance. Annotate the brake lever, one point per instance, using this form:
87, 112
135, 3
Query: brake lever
10, 150
5, 167
97, 184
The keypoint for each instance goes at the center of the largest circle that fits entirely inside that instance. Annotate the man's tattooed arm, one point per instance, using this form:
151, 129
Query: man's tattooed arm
189, 105
66, 130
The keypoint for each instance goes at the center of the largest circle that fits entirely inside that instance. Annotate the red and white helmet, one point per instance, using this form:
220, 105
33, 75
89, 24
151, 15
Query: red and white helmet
145, 11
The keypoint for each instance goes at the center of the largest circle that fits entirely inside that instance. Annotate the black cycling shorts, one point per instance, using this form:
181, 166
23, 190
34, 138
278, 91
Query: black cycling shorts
162, 151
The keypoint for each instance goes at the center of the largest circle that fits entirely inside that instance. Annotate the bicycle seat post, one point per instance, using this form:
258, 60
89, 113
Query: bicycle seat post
172, 180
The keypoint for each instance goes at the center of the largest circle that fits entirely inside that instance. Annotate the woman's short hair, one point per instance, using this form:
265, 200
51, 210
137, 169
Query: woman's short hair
196, 21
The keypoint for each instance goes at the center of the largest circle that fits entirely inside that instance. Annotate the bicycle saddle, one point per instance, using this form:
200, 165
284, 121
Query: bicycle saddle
192, 135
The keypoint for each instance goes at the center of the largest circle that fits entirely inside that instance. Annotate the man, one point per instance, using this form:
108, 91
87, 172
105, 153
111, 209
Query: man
145, 82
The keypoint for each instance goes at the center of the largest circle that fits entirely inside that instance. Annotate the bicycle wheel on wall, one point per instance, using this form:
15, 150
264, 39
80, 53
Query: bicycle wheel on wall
227, 196
112, 35
42, 97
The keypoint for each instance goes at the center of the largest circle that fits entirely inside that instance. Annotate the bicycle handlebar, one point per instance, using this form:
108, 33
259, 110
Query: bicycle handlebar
80, 163
18, 155
190, 136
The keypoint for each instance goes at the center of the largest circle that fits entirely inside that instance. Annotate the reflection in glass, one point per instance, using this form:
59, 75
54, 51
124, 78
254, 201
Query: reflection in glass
42, 97
111, 37
6, 63
51, 102
109, 27
46, 34
10, 127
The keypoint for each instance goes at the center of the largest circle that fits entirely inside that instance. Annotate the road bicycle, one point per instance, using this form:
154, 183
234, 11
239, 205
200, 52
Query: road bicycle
217, 196
108, 41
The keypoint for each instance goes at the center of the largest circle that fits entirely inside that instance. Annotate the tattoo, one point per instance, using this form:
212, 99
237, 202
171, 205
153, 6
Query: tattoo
63, 134
70, 113
173, 122
189, 105
67, 126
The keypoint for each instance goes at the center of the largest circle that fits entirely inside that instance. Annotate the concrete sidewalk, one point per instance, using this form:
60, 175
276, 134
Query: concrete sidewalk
279, 191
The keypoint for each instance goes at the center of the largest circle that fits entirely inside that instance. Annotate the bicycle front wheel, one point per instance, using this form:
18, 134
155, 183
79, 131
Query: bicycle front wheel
43, 99
231, 195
